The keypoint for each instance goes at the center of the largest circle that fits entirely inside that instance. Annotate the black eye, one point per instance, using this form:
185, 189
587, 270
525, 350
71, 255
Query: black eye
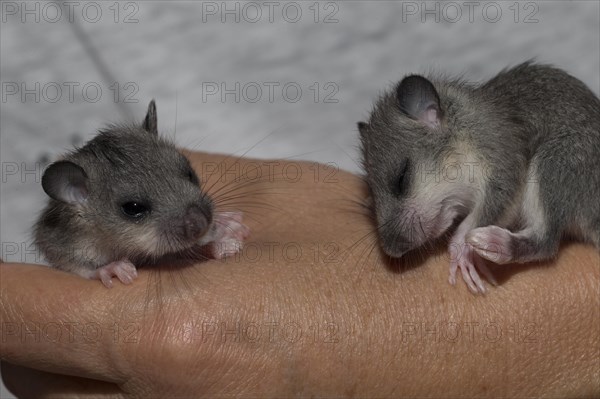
134, 209
191, 176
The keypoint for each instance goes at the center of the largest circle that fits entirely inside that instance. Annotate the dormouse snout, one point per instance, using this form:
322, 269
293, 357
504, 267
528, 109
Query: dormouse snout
195, 223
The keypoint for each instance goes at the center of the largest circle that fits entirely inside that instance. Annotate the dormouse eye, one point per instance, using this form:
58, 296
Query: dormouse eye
400, 185
191, 176
134, 210
401, 176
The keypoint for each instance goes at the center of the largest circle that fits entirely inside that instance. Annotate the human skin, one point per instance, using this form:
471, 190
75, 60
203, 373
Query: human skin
307, 309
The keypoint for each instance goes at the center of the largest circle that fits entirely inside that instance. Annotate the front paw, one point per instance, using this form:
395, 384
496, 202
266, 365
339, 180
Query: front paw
461, 257
124, 270
464, 257
230, 234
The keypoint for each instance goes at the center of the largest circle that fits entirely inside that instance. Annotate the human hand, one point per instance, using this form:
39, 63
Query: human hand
306, 309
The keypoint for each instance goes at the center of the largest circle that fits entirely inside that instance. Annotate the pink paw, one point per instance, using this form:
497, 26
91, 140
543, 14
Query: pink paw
230, 234
464, 257
124, 270
491, 243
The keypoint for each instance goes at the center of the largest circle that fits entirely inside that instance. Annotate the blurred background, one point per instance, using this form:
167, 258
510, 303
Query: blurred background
280, 79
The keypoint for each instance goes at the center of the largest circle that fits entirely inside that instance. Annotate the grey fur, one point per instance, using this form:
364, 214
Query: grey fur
123, 163
532, 124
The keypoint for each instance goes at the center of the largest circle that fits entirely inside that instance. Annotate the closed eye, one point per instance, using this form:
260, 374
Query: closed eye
400, 183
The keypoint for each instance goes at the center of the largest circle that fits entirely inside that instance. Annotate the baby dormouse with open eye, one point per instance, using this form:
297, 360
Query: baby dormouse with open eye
128, 198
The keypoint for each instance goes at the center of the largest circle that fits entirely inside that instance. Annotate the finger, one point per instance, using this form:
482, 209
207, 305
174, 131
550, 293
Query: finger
473, 271
24, 382
452, 277
485, 270
467, 279
476, 279
59, 322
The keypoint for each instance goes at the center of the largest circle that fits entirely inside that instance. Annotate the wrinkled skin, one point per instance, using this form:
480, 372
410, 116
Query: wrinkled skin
376, 335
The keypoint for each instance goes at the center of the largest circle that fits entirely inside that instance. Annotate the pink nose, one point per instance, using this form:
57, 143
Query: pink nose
195, 223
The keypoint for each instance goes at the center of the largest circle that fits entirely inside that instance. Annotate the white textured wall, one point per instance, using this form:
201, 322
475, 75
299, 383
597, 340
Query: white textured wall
177, 48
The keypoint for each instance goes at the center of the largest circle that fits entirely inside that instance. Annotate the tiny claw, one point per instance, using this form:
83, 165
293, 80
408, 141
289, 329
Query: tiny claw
225, 248
482, 267
453, 268
468, 280
475, 278
106, 280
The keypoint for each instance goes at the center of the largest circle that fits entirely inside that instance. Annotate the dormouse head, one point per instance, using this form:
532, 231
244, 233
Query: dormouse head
410, 155
133, 189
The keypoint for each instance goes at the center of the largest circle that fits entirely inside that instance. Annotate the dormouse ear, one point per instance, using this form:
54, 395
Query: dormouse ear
150, 122
419, 100
66, 182
362, 128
